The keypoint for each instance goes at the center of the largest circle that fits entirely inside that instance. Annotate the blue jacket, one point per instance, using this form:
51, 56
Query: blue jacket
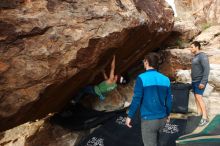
152, 93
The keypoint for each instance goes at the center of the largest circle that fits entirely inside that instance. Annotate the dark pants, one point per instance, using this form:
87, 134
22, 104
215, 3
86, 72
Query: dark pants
87, 90
150, 130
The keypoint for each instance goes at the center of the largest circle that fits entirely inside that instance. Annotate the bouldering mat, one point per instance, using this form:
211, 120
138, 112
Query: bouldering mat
115, 133
80, 118
172, 131
180, 92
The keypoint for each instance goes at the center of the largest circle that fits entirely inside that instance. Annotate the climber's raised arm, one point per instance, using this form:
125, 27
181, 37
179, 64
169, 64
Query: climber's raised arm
112, 71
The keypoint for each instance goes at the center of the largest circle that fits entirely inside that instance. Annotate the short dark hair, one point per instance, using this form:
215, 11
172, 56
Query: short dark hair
196, 44
153, 60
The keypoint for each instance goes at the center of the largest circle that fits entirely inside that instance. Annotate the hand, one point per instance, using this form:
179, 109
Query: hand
128, 122
114, 56
168, 119
201, 86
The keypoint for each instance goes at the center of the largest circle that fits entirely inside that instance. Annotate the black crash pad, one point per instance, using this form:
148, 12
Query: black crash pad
172, 131
80, 118
180, 92
115, 133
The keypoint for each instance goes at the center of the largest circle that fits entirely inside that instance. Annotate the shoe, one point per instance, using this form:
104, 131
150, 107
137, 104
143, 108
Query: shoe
203, 122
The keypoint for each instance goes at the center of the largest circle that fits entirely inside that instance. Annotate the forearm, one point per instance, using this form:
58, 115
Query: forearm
113, 62
112, 71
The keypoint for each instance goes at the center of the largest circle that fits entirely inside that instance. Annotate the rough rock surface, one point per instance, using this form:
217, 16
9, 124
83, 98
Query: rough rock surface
51, 48
183, 32
174, 60
40, 133
186, 29
210, 38
193, 16
203, 12
180, 59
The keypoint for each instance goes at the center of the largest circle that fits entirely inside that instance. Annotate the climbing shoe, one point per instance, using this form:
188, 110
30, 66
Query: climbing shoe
203, 122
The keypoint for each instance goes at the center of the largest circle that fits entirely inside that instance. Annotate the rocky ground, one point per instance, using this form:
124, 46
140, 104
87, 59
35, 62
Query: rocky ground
40, 133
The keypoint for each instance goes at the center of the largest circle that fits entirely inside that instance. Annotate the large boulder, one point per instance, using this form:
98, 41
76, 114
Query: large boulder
206, 11
183, 76
214, 55
40, 133
183, 32
202, 12
186, 29
193, 16
174, 60
51, 48
210, 38
214, 78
